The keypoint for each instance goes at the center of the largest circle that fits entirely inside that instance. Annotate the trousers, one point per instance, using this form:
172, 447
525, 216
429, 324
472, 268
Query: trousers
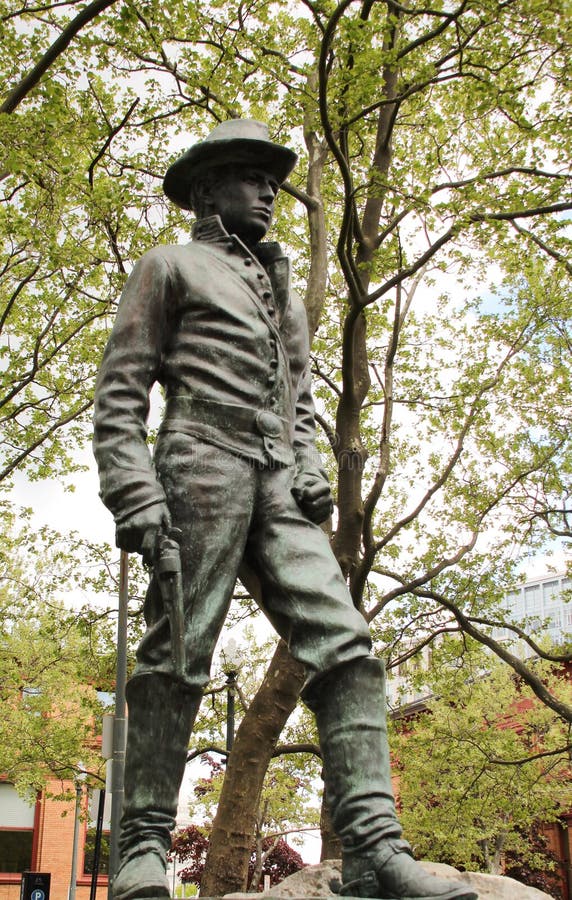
231, 509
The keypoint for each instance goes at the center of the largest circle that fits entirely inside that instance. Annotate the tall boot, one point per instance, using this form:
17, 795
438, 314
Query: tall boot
161, 716
349, 705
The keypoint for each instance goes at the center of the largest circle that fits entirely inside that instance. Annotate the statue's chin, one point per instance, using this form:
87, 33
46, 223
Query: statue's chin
252, 235
250, 232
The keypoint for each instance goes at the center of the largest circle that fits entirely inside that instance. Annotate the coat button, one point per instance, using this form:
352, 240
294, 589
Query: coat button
267, 295
248, 261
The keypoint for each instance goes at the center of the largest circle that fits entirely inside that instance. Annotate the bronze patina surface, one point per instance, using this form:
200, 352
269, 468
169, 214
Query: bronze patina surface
235, 471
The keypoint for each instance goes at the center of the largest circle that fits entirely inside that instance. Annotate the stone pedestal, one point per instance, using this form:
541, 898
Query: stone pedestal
314, 883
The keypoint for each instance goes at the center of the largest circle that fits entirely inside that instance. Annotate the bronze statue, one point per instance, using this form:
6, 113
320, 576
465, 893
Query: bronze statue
235, 470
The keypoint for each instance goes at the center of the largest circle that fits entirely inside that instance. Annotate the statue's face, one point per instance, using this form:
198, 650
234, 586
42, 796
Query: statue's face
244, 199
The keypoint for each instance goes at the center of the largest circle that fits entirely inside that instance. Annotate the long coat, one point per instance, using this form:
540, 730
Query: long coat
219, 328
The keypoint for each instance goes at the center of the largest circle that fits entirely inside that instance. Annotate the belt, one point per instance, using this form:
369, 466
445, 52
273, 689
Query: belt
226, 416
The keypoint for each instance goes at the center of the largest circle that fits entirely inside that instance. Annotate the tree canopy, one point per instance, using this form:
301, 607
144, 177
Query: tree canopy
57, 664
502, 755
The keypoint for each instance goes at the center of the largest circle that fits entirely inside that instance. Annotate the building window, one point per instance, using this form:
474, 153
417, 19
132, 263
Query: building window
552, 604
551, 591
89, 852
89, 846
532, 599
516, 602
16, 831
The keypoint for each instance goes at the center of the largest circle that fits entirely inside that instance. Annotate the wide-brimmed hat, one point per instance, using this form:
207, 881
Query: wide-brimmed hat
240, 141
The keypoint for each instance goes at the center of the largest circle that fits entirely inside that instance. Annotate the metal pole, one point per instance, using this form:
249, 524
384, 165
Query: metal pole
73, 877
97, 845
230, 688
119, 724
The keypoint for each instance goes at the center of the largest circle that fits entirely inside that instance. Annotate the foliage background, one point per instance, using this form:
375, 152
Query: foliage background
429, 225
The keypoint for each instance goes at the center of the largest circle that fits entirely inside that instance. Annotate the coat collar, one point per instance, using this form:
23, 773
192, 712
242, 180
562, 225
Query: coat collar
268, 253
212, 230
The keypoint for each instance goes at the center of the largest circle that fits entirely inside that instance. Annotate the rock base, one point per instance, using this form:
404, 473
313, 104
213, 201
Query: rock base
315, 882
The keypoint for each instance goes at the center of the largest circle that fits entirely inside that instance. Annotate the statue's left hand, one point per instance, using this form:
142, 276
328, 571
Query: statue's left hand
311, 492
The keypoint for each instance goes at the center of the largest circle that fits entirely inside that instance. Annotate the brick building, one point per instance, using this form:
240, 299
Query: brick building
40, 837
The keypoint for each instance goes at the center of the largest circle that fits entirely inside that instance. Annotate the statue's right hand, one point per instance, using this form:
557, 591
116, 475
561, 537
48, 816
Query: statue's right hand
136, 534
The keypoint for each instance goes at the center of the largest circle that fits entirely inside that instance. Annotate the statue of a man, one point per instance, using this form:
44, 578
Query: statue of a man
236, 470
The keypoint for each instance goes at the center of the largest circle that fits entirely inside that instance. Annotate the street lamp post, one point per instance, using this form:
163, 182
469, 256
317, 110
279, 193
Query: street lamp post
230, 693
97, 843
119, 723
78, 800
231, 663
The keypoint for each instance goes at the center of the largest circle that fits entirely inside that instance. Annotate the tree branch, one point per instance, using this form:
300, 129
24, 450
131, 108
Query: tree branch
109, 139
521, 669
284, 749
65, 420
559, 257
29, 82
551, 657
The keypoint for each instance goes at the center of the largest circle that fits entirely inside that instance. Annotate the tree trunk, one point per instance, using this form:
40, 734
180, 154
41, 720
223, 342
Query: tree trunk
258, 866
232, 837
331, 844
496, 866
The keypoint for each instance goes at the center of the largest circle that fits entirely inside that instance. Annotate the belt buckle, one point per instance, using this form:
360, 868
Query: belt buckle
267, 423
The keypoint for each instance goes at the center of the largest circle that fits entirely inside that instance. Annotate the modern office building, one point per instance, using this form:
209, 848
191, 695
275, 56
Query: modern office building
546, 604
542, 606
